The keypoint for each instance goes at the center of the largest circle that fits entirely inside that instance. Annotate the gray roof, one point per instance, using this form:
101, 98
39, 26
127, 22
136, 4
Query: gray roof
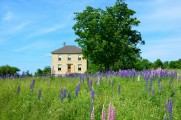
68, 49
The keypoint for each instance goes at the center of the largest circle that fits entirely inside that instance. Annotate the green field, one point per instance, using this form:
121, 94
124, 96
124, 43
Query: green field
135, 100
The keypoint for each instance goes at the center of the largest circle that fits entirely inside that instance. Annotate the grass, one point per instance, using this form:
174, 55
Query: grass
133, 102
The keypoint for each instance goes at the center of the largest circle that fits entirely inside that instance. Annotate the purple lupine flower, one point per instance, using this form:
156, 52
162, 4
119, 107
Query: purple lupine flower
64, 93
169, 107
61, 94
82, 78
92, 93
32, 85
77, 90
18, 90
39, 94
151, 82
103, 113
119, 88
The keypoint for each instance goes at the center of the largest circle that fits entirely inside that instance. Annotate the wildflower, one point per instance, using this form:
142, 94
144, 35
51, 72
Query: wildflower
77, 90
39, 94
111, 113
64, 93
32, 84
169, 107
92, 94
151, 80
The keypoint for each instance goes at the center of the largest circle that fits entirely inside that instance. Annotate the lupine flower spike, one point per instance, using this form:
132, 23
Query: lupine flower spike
111, 113
169, 106
39, 94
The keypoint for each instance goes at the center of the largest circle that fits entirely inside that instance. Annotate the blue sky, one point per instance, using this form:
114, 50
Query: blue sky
31, 29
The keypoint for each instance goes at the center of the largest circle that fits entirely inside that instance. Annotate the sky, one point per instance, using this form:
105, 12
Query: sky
31, 29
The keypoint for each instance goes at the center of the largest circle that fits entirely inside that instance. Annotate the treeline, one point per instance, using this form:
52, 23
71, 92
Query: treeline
7, 70
139, 64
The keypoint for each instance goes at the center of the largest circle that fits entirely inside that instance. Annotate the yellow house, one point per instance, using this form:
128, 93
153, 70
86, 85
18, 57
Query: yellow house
68, 59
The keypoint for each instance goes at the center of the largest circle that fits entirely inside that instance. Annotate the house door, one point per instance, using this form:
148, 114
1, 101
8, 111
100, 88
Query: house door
69, 68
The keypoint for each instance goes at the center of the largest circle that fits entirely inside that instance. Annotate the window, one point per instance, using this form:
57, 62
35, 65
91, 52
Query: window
59, 67
79, 57
79, 67
59, 57
69, 57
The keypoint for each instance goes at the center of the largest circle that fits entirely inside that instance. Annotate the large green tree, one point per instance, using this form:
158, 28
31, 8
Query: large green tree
107, 36
6, 69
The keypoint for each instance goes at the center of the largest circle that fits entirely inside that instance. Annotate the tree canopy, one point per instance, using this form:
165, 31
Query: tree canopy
8, 70
107, 36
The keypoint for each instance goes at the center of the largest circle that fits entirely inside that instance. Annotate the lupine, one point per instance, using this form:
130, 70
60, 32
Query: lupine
103, 113
92, 93
111, 113
169, 107
77, 90
119, 88
64, 93
18, 90
39, 94
32, 84
151, 81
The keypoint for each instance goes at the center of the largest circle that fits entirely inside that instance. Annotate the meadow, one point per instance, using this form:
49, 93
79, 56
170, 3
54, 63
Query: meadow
145, 95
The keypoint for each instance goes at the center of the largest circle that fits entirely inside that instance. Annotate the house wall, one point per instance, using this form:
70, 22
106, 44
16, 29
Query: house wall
74, 62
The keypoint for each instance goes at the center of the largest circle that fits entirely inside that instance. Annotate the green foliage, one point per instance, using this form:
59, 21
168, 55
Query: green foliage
158, 63
133, 102
107, 36
6, 69
45, 71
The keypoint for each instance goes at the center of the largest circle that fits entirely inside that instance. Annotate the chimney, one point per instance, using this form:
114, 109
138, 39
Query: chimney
64, 44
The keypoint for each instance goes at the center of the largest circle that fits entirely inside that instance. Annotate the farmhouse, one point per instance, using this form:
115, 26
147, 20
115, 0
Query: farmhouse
68, 59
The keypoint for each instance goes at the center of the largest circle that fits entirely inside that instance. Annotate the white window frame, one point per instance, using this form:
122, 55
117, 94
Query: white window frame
69, 57
59, 57
79, 57
79, 67
59, 67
